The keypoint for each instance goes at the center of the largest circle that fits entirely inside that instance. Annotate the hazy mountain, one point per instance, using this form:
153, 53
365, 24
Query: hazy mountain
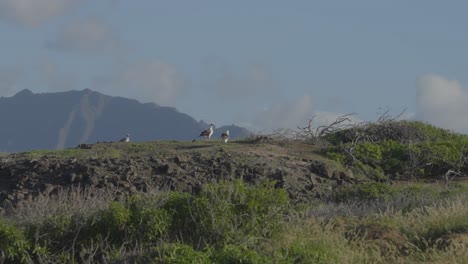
66, 119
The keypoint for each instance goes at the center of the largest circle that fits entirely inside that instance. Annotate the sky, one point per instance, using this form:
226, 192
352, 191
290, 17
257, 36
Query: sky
261, 64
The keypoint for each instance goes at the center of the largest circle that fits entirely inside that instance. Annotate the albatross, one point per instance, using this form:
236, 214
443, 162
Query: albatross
126, 139
207, 133
225, 136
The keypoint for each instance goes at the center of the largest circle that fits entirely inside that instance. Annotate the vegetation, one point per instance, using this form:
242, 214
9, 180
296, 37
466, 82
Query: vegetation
231, 222
386, 213
399, 150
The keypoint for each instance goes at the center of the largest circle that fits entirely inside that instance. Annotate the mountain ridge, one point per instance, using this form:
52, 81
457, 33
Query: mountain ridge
65, 119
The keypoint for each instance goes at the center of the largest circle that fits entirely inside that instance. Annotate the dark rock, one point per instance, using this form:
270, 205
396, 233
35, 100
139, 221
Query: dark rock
321, 169
164, 169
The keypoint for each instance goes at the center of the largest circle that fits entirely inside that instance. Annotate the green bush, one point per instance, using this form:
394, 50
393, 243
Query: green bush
147, 222
230, 211
112, 223
52, 233
310, 252
394, 156
14, 247
399, 149
176, 253
368, 153
365, 192
178, 205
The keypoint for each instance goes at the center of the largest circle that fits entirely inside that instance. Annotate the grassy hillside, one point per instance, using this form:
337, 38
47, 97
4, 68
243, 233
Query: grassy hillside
391, 192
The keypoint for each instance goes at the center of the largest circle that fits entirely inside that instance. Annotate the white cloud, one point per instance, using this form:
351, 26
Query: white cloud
254, 80
34, 12
442, 102
284, 114
86, 36
147, 81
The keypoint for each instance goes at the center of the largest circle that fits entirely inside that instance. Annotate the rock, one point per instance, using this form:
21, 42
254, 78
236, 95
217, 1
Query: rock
164, 169
321, 169
177, 160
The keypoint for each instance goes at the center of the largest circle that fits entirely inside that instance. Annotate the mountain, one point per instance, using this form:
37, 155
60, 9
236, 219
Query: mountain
65, 119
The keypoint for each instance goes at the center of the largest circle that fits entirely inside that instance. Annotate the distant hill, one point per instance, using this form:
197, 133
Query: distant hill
65, 119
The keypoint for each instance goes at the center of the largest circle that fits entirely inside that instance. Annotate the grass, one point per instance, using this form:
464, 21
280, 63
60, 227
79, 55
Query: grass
231, 222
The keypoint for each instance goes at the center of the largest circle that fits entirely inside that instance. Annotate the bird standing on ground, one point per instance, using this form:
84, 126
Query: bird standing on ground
126, 139
207, 133
225, 136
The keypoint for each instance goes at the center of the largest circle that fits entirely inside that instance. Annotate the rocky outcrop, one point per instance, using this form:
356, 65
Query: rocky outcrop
23, 177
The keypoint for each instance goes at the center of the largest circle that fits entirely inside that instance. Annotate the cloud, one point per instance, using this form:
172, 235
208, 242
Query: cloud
9, 78
147, 81
34, 12
255, 80
89, 36
442, 102
284, 114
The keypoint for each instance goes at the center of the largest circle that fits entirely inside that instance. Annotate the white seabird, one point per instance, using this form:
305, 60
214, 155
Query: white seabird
125, 139
207, 133
225, 136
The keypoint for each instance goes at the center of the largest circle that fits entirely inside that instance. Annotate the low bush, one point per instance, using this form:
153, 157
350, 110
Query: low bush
365, 192
14, 247
177, 253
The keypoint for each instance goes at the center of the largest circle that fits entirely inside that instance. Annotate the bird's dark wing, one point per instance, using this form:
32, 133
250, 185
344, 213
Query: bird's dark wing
205, 133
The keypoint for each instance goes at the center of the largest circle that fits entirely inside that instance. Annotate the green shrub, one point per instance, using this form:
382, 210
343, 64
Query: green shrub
231, 211
394, 155
310, 252
178, 205
52, 233
368, 153
365, 192
180, 254
147, 222
14, 246
332, 154
112, 222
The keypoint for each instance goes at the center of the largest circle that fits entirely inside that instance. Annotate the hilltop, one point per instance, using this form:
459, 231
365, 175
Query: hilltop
65, 119
128, 168
308, 168
384, 192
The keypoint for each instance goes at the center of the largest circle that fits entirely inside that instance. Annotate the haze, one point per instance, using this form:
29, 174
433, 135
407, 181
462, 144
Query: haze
261, 64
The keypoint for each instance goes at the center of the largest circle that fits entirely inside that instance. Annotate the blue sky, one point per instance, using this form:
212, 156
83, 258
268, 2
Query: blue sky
263, 64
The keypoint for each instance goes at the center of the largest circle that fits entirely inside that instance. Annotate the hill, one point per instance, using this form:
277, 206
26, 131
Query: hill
370, 193
65, 119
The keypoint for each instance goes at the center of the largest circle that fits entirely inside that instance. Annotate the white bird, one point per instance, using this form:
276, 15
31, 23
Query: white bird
126, 139
225, 136
207, 133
